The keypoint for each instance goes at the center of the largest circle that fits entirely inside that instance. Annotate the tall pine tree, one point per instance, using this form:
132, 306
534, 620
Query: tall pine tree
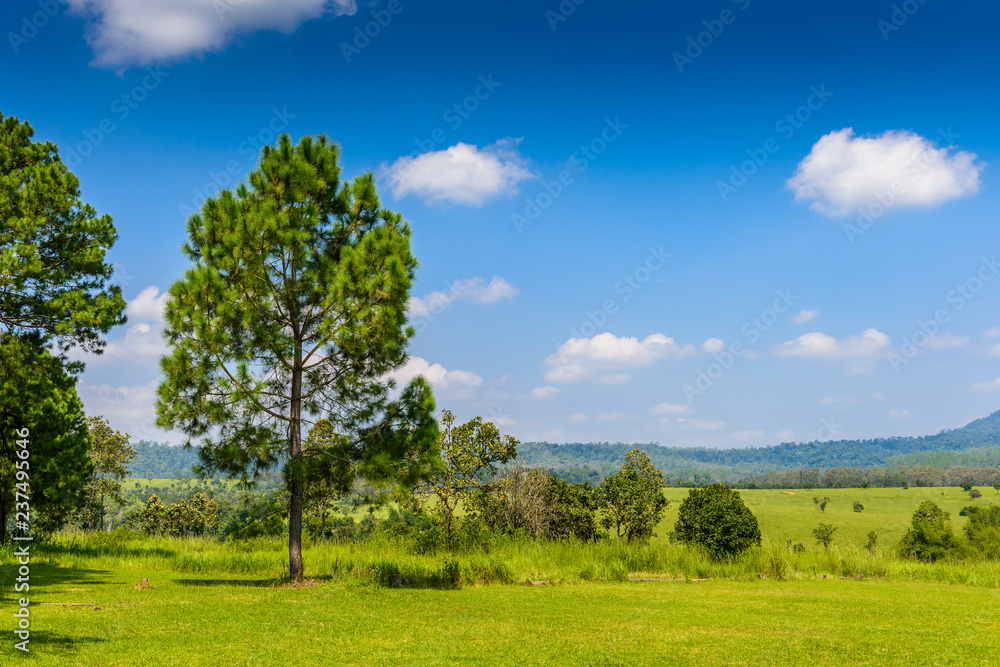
295, 309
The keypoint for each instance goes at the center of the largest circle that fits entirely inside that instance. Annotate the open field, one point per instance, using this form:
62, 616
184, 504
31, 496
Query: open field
217, 603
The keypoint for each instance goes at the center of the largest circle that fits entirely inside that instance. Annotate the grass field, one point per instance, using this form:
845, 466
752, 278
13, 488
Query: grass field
225, 604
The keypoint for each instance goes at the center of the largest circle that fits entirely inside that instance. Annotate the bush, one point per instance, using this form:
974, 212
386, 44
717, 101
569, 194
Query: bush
858, 507
716, 519
966, 486
930, 537
975, 493
824, 534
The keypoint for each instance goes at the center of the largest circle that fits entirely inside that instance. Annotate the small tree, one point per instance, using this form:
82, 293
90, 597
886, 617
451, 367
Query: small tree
858, 507
975, 493
632, 498
824, 534
966, 486
930, 536
997, 487
151, 516
518, 499
821, 502
111, 454
470, 453
715, 518
872, 541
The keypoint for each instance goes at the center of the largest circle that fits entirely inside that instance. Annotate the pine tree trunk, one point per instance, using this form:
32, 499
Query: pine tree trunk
298, 488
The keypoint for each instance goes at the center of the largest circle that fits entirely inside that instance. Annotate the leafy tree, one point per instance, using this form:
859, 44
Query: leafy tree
54, 294
150, 517
257, 515
983, 530
110, 454
38, 394
574, 509
930, 536
632, 498
295, 309
824, 534
516, 500
997, 487
872, 541
471, 454
975, 493
716, 519
822, 502
53, 277
858, 507
966, 486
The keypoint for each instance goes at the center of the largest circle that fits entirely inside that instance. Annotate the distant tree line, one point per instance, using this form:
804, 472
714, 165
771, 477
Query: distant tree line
863, 478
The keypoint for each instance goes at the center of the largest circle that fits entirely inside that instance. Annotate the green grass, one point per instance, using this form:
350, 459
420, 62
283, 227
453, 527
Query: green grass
226, 603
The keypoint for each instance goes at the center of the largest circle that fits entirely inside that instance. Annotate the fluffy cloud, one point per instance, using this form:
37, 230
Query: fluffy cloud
986, 387
614, 378
458, 384
899, 414
713, 345
871, 342
784, 435
578, 358
691, 424
990, 334
844, 172
947, 340
544, 392
669, 409
470, 289
137, 32
743, 436
578, 417
805, 316
143, 341
461, 174
129, 408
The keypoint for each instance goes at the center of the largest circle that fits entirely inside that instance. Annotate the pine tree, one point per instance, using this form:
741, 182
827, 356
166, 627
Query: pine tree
295, 309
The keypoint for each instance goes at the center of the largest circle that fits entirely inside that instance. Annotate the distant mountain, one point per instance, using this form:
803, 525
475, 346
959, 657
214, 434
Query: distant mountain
157, 460
579, 461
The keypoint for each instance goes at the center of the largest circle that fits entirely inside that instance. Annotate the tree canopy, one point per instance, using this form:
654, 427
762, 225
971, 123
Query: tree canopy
295, 309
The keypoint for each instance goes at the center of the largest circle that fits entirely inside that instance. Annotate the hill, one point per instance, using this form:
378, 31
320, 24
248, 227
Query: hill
594, 461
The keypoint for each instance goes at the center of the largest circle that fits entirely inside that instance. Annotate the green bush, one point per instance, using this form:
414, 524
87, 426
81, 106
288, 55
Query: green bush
716, 519
930, 537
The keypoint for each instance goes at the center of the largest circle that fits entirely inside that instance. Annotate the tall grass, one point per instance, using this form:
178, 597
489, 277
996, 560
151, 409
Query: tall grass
502, 560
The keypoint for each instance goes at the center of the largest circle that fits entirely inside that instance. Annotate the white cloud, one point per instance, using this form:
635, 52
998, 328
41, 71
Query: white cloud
878, 396
143, 340
613, 416
461, 174
844, 172
458, 384
829, 400
501, 421
713, 345
129, 408
138, 32
745, 435
985, 387
669, 409
899, 414
947, 340
614, 378
578, 418
469, 289
579, 358
544, 392
805, 316
993, 350
691, 424
871, 342
990, 334
785, 435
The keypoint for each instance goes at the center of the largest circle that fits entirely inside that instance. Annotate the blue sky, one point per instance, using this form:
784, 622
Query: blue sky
721, 224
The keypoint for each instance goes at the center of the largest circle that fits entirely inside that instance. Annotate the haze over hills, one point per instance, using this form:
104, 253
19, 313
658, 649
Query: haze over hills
975, 444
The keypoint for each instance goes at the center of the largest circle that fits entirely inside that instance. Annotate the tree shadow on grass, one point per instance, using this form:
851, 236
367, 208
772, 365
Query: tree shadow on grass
273, 582
45, 642
44, 577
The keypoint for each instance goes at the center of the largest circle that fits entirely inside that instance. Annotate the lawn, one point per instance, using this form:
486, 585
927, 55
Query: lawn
232, 620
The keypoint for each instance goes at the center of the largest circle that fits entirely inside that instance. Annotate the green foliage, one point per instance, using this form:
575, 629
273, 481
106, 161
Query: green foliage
822, 502
295, 308
716, 519
110, 453
632, 498
983, 530
574, 508
257, 515
824, 534
997, 487
930, 536
198, 515
975, 493
470, 454
966, 486
858, 507
872, 541
38, 394
54, 282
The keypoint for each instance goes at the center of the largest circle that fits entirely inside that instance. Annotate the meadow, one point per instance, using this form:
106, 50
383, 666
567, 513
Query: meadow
609, 603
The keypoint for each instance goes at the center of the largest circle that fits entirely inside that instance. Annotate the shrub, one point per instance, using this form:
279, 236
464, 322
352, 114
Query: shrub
822, 502
975, 493
716, 519
858, 507
966, 486
930, 537
872, 541
824, 534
